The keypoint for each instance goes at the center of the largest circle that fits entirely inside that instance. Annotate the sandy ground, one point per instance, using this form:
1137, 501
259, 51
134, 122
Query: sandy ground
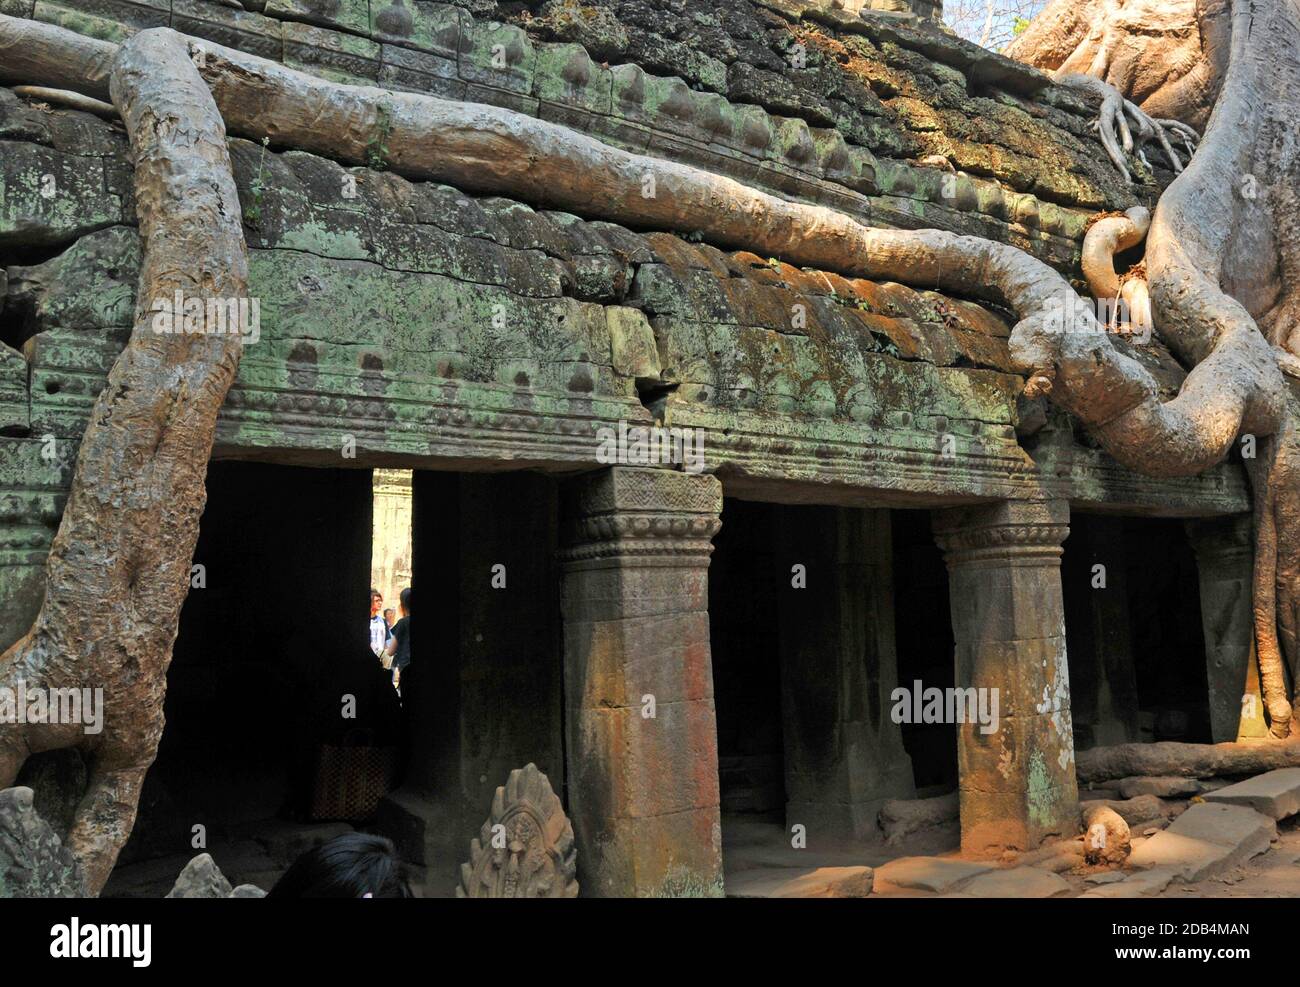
748, 845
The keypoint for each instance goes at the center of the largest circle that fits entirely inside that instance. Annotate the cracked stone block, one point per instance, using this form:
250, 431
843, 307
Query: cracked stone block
1139, 885
1206, 840
1275, 794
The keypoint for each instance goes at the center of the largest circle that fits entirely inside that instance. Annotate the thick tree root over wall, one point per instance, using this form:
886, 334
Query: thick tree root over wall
117, 573
119, 568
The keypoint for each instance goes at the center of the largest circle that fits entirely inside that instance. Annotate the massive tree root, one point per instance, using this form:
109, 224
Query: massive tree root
1103, 240
1169, 759
1235, 387
1155, 65
1168, 57
1221, 260
119, 568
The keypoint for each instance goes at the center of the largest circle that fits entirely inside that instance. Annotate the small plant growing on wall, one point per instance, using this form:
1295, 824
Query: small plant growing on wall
256, 189
377, 147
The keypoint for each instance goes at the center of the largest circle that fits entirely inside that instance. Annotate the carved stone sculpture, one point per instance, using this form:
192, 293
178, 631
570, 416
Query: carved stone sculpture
525, 849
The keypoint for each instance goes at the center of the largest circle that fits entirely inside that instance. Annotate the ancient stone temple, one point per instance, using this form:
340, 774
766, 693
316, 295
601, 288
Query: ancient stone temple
687, 519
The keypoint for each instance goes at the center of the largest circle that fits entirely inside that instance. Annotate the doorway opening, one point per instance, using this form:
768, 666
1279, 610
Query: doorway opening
277, 710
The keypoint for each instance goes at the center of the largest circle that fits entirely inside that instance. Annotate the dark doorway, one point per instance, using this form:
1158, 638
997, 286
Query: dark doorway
1133, 632
746, 662
1168, 639
271, 661
923, 631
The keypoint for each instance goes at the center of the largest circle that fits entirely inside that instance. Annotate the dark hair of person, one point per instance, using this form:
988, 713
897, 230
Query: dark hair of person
349, 866
374, 592
405, 597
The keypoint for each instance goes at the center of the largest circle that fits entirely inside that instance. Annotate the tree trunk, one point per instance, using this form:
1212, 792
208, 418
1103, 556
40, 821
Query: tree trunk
119, 567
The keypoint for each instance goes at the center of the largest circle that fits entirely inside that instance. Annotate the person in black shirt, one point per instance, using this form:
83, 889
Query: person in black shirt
399, 644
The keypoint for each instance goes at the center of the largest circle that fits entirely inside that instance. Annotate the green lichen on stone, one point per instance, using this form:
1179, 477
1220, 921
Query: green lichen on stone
103, 28
1043, 793
681, 882
47, 195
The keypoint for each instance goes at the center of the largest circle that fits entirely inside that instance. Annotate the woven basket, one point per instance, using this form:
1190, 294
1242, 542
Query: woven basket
351, 778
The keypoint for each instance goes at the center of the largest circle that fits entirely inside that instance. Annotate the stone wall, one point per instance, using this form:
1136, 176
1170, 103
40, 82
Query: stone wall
825, 104
406, 323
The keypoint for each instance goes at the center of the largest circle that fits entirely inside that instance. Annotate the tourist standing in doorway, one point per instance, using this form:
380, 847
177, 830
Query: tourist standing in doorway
378, 629
399, 647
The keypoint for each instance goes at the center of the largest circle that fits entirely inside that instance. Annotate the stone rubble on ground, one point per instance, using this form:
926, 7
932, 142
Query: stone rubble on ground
1140, 885
1017, 882
1106, 837
202, 878
1141, 809
1106, 877
34, 863
1194, 830
900, 818
938, 874
1055, 857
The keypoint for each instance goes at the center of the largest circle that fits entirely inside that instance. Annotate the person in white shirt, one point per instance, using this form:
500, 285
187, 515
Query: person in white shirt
378, 629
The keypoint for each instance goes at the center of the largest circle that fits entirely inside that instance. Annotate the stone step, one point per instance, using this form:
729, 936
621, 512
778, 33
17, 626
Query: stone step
938, 874
1205, 840
1139, 885
1275, 794
1017, 882
794, 882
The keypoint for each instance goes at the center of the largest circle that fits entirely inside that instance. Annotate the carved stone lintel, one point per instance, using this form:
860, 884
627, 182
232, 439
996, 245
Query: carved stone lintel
526, 847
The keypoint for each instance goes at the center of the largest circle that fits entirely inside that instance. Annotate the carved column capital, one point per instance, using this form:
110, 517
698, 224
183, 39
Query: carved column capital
1010, 532
642, 516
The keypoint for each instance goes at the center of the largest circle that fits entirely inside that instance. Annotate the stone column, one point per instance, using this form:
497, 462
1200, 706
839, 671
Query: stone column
640, 728
1103, 683
844, 754
1225, 558
1017, 782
